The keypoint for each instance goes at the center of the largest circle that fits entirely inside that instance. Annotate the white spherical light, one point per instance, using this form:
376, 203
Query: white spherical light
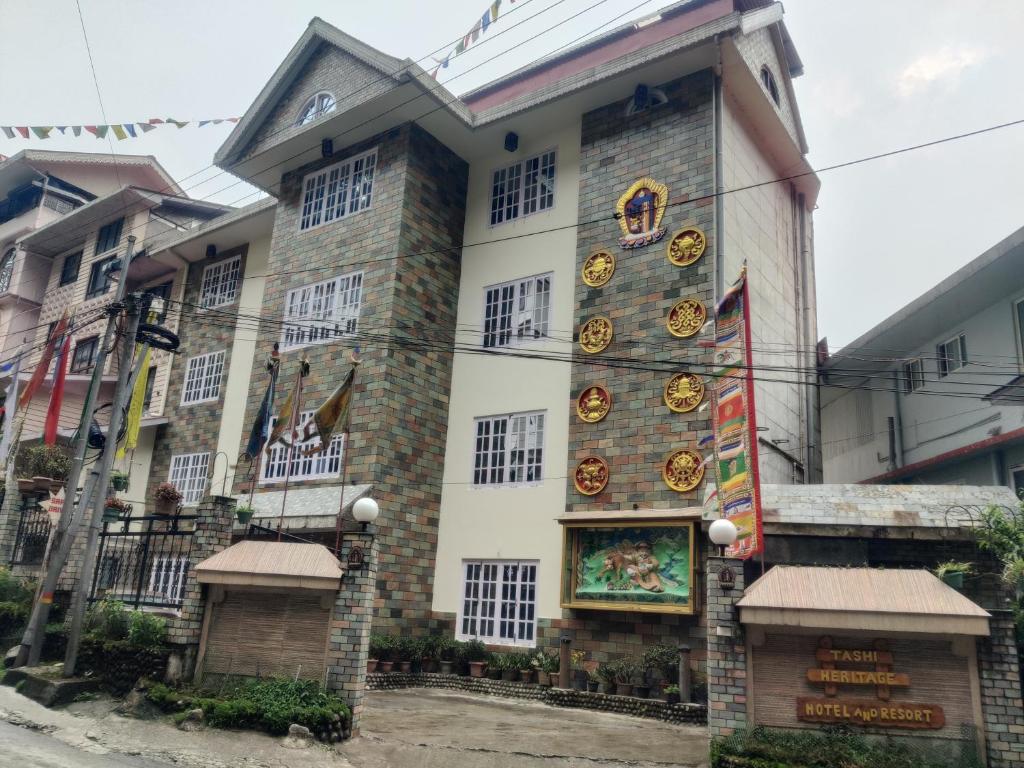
365, 510
723, 532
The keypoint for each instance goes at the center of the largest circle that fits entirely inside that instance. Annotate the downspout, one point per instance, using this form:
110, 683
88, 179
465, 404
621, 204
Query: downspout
719, 177
899, 460
811, 467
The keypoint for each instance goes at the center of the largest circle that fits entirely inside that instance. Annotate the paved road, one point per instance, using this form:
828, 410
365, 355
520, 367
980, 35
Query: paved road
27, 748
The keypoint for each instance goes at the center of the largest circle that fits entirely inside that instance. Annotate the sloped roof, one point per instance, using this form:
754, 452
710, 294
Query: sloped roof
30, 156
272, 564
870, 599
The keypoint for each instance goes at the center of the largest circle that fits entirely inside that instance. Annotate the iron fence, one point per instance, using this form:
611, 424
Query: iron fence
33, 533
262, 533
144, 561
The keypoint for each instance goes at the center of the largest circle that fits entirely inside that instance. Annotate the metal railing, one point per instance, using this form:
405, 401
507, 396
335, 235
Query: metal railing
144, 561
33, 533
262, 533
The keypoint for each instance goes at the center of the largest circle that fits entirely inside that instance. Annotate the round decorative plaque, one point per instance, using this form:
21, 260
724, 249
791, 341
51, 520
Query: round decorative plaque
598, 268
593, 404
683, 470
686, 318
684, 392
591, 476
596, 334
686, 246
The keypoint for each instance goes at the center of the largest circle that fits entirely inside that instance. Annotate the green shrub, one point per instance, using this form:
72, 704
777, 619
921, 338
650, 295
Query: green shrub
382, 647
146, 630
106, 620
663, 659
473, 650
14, 589
50, 461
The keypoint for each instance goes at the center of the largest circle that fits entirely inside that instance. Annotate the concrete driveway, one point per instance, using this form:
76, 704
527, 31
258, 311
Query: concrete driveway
424, 728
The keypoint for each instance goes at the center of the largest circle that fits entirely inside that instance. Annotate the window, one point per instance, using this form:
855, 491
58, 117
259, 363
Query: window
508, 449
913, 376
69, 270
188, 475
645, 98
1017, 480
7, 270
517, 311
220, 282
99, 277
952, 355
532, 179
768, 81
316, 107
167, 578
322, 312
109, 236
305, 464
202, 378
161, 294
147, 399
1019, 310
337, 191
499, 602
84, 356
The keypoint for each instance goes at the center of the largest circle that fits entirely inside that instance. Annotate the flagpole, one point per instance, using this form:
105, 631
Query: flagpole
291, 446
344, 468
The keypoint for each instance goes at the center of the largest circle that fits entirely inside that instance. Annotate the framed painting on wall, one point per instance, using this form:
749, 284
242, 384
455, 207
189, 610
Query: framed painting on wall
627, 566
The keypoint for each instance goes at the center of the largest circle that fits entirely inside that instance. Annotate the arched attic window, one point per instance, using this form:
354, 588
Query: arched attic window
768, 81
6, 270
645, 98
316, 107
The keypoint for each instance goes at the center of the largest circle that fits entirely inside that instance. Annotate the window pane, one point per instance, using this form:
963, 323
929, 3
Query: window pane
499, 602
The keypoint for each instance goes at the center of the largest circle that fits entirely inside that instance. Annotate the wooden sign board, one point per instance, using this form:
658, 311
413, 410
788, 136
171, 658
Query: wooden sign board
900, 714
856, 656
858, 677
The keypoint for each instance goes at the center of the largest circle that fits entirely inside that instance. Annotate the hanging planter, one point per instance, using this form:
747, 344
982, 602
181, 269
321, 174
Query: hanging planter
244, 513
168, 499
952, 573
26, 484
114, 509
119, 481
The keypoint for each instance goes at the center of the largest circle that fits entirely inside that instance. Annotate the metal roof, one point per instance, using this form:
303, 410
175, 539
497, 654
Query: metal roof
272, 564
869, 599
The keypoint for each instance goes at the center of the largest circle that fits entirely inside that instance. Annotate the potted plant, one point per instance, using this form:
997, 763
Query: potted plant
606, 675
446, 649
48, 465
522, 664
475, 654
546, 666
579, 673
952, 573
167, 499
593, 680
114, 509
494, 666
383, 648
626, 673
507, 664
244, 513
660, 665
405, 651
119, 481
640, 687
672, 694
1013, 575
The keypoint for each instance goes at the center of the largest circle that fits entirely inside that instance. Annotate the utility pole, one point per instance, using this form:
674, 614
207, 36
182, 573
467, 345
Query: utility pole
100, 478
71, 515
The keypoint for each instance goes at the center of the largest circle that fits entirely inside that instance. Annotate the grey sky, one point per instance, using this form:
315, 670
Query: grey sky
879, 75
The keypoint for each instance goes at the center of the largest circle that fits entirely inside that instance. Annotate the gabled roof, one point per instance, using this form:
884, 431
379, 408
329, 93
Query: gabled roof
47, 156
272, 564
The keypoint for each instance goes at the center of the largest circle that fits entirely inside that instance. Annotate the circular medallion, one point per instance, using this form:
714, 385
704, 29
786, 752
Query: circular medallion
598, 268
596, 334
686, 246
683, 470
591, 476
593, 404
686, 318
684, 392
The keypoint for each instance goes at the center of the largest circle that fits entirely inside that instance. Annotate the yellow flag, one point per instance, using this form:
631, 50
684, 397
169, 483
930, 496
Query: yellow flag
131, 437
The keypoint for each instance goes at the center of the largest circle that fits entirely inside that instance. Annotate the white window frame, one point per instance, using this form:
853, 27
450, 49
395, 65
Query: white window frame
192, 471
325, 465
498, 602
319, 313
220, 283
944, 363
517, 305
485, 451
913, 375
203, 377
167, 577
521, 192
337, 191
321, 106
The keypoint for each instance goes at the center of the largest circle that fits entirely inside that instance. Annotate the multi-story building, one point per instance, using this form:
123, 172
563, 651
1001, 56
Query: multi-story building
934, 393
445, 237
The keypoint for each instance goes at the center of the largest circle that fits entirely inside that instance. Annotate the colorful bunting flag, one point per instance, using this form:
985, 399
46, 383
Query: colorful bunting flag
57, 394
120, 130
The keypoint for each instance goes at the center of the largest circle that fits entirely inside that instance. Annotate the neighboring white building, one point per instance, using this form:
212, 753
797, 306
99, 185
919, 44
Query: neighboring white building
935, 393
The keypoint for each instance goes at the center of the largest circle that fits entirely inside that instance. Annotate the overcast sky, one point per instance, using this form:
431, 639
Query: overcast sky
880, 74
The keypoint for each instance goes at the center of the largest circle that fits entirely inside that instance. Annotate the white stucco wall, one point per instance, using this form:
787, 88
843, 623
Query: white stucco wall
516, 522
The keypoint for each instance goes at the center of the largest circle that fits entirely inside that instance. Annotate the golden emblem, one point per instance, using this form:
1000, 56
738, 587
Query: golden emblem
640, 211
596, 334
683, 470
598, 268
686, 246
593, 404
686, 318
591, 476
684, 392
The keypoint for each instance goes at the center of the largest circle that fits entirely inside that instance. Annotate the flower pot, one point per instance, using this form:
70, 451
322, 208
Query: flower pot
371, 666
623, 689
579, 680
493, 674
405, 666
672, 698
525, 675
385, 666
509, 675
43, 483
592, 685
165, 508
955, 580
554, 679
111, 514
446, 667
641, 691
476, 668
244, 516
119, 483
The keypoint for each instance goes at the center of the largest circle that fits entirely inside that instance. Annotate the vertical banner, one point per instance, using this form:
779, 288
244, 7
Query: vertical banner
738, 493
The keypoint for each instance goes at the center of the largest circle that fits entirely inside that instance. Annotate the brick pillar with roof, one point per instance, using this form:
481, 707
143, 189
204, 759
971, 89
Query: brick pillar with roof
727, 653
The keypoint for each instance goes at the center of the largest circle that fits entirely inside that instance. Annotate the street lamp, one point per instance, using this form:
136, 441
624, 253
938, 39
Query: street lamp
365, 511
723, 533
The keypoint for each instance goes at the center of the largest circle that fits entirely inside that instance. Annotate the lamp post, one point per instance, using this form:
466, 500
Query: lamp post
365, 511
723, 533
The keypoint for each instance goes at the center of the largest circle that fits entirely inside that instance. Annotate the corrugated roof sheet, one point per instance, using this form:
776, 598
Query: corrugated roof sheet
863, 590
274, 558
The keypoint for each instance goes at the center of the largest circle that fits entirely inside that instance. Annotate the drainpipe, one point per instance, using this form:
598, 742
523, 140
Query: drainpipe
810, 352
897, 458
719, 178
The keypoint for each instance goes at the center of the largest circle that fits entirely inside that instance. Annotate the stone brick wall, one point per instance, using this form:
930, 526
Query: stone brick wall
1001, 705
349, 642
726, 651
